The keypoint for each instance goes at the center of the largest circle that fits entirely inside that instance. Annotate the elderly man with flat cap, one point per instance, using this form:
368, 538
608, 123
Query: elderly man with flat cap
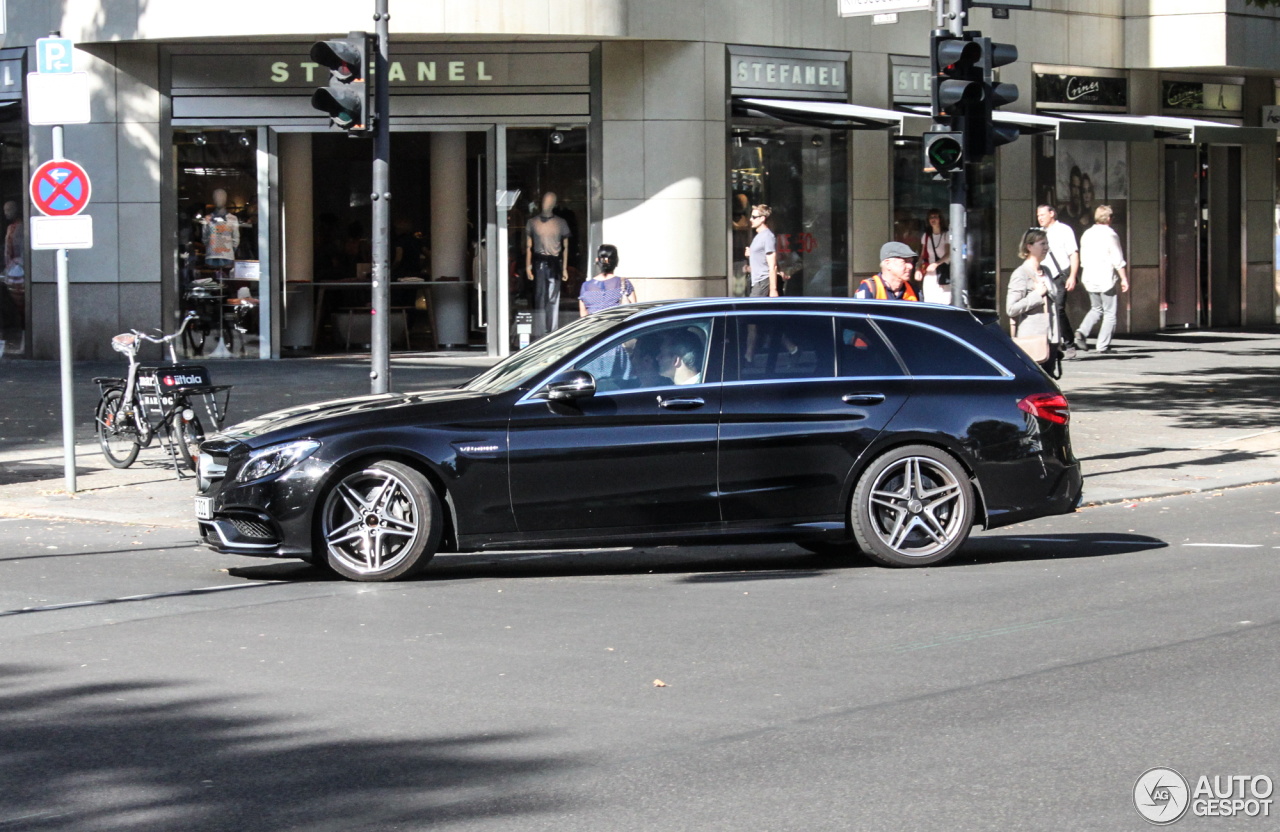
896, 262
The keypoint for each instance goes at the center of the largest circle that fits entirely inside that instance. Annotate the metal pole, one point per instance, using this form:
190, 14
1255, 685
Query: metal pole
380, 374
64, 351
959, 194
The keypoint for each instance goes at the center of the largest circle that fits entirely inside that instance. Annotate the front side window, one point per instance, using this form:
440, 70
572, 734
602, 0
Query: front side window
667, 354
928, 352
773, 347
521, 367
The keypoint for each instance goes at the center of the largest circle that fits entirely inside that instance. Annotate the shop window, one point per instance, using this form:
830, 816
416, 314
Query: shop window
218, 240
542, 161
800, 173
13, 278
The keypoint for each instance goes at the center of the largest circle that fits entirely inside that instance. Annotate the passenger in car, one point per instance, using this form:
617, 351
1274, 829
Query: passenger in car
680, 359
643, 369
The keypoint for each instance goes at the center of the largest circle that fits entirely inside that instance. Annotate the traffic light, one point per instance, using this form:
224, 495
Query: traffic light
944, 152
349, 97
965, 94
996, 95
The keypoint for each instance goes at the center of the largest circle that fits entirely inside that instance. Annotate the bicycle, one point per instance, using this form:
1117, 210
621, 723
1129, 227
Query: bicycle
151, 402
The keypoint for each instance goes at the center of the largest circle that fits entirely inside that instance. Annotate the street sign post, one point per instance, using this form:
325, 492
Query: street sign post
60, 189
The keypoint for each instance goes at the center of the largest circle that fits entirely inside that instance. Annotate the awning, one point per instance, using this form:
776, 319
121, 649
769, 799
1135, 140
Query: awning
1198, 131
915, 121
834, 115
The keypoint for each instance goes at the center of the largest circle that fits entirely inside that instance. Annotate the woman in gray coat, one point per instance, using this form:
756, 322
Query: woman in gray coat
1032, 292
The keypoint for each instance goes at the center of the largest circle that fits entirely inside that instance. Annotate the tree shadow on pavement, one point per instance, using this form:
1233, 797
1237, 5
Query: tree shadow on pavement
149, 756
1217, 397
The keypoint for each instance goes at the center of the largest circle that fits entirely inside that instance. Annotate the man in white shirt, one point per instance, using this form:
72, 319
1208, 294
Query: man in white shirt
1101, 262
1063, 262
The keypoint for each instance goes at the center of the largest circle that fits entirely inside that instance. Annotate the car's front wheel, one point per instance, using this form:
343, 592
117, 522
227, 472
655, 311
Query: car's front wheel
912, 507
380, 523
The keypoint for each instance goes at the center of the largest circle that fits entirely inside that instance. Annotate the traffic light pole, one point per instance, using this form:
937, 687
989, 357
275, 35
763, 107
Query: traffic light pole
380, 372
959, 191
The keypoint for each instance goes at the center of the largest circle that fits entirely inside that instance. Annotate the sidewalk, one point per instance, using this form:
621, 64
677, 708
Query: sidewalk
1166, 414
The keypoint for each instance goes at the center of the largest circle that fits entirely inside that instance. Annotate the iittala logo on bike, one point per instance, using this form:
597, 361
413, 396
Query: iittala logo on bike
170, 381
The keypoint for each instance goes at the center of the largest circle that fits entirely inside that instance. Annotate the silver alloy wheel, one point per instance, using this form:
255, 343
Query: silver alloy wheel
917, 507
370, 523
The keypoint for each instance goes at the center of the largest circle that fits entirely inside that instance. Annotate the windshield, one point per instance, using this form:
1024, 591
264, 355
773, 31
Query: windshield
519, 368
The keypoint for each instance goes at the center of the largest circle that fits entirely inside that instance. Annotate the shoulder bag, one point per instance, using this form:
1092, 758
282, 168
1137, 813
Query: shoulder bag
943, 271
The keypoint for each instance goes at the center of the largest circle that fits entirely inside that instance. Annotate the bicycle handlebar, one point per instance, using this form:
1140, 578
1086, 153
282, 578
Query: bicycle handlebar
166, 339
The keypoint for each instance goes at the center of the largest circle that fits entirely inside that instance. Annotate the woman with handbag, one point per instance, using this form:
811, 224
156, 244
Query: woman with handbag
935, 261
1031, 302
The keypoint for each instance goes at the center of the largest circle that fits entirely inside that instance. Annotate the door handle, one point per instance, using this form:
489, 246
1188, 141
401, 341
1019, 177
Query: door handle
691, 403
864, 398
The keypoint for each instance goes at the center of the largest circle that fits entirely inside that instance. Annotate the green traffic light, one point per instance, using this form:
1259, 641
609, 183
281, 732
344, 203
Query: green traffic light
945, 154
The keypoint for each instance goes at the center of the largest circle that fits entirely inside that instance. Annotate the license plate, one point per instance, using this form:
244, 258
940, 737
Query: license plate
204, 508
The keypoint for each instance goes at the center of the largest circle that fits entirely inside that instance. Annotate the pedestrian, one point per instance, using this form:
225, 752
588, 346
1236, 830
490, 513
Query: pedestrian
934, 271
1032, 301
762, 255
1101, 262
897, 261
546, 263
1063, 264
605, 290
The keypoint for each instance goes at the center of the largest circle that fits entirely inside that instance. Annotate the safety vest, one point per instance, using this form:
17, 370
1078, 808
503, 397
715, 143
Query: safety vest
882, 291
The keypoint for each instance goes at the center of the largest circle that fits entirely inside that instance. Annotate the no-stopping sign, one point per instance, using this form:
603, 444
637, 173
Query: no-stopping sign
60, 188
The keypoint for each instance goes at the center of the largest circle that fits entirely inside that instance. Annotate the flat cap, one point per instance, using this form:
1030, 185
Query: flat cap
897, 250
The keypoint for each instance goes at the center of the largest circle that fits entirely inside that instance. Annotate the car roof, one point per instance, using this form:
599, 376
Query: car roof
892, 308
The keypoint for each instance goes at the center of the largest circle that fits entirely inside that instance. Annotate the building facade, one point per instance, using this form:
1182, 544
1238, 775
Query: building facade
656, 123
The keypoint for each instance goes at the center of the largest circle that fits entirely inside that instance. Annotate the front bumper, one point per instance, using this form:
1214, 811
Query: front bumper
270, 518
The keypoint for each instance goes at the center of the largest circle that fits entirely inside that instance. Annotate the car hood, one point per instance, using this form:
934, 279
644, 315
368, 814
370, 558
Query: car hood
316, 419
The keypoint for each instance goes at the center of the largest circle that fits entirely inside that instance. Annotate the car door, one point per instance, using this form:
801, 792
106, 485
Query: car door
639, 454
804, 396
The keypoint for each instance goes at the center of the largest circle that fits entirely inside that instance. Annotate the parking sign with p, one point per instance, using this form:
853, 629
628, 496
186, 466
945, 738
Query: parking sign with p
53, 55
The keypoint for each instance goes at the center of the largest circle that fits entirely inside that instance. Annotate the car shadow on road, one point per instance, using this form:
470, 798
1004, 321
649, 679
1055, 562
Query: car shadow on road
152, 755
718, 564
996, 548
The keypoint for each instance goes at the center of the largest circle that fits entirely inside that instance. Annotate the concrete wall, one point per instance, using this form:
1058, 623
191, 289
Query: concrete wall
663, 108
116, 284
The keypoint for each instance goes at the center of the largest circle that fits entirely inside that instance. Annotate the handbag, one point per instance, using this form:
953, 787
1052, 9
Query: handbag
1035, 346
943, 270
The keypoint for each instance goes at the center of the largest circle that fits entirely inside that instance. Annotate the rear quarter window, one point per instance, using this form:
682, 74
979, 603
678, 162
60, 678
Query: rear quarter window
928, 352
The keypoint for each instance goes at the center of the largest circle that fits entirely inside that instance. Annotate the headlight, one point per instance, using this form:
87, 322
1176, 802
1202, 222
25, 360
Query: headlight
272, 460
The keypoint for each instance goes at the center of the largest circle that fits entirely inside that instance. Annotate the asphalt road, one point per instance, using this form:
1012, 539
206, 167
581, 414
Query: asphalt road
149, 685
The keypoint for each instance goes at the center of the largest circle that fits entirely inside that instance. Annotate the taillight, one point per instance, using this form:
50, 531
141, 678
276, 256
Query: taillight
1050, 406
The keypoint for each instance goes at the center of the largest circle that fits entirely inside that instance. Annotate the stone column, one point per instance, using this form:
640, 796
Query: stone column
449, 234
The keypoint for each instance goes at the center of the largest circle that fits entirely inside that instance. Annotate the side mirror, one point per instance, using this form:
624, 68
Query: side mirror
569, 385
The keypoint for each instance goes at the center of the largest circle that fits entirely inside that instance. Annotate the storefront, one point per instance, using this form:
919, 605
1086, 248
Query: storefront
15, 299
270, 217
800, 170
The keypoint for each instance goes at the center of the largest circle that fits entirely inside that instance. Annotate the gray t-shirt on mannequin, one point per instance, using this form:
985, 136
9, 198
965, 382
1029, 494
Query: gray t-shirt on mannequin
548, 235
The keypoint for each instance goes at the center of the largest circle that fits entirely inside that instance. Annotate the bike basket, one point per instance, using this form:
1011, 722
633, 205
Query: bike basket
174, 377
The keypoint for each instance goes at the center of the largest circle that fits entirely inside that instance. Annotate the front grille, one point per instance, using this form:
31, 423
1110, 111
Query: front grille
251, 528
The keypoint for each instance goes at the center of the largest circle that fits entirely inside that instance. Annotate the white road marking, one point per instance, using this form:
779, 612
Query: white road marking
1227, 545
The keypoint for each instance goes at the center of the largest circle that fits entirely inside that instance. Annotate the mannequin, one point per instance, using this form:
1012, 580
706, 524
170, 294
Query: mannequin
221, 234
546, 262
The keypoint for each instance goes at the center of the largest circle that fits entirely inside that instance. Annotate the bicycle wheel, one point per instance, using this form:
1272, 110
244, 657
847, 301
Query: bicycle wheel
116, 433
190, 434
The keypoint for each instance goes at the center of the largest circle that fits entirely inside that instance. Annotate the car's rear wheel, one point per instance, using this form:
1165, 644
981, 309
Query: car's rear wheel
380, 523
913, 506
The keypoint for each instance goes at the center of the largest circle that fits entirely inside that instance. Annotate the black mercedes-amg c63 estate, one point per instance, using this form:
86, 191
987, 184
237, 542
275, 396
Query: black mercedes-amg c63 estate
882, 427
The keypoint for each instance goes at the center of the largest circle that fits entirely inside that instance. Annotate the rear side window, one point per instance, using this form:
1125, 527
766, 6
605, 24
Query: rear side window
928, 352
861, 352
773, 347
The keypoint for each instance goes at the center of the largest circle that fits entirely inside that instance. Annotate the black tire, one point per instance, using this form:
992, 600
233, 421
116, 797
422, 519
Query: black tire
118, 437
379, 522
188, 436
913, 506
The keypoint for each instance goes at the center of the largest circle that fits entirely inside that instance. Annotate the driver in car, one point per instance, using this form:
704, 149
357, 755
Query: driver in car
680, 358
